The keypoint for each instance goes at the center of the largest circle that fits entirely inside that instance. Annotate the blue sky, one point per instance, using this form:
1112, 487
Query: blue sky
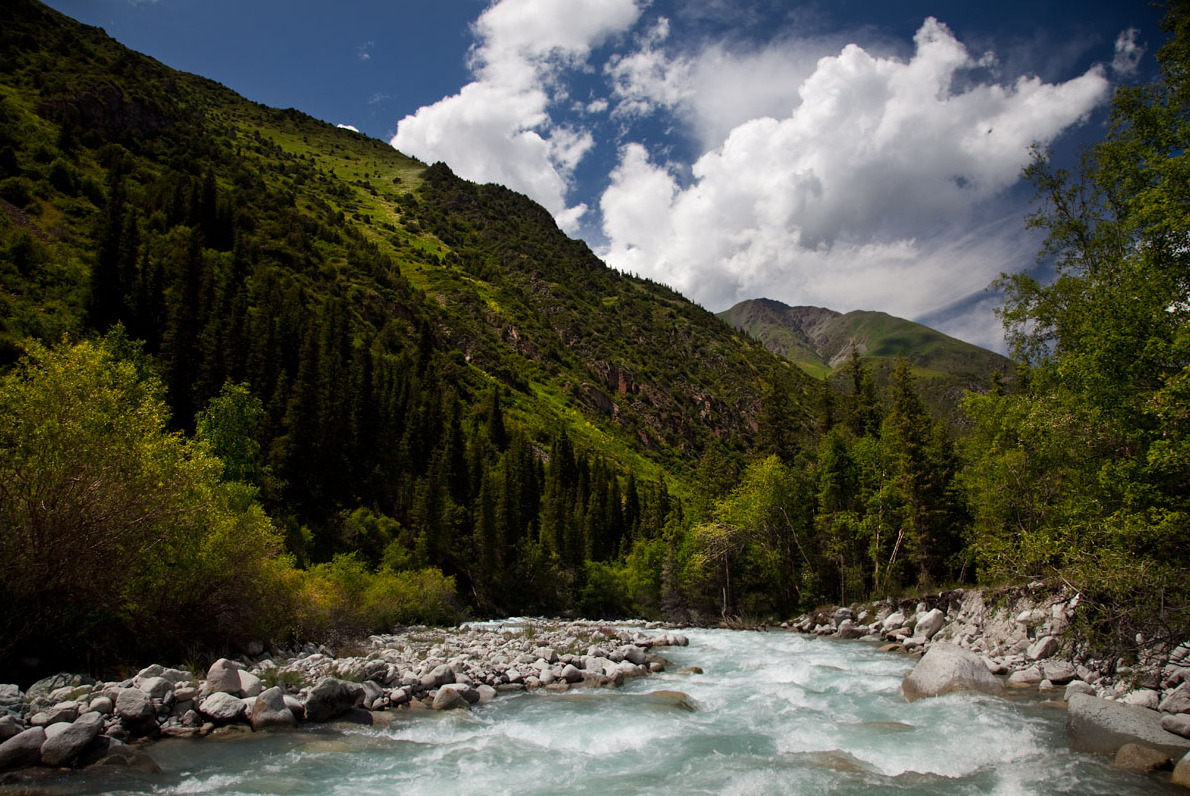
854, 154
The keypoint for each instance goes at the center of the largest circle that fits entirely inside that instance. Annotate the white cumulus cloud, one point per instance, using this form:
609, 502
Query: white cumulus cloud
498, 128
869, 191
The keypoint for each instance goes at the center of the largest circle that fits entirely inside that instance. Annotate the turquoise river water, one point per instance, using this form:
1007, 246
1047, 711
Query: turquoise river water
776, 713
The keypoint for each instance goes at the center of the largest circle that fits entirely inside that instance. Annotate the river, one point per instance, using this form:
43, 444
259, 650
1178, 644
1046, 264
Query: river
774, 713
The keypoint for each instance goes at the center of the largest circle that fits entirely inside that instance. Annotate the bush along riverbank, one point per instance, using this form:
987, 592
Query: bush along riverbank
1137, 710
71, 720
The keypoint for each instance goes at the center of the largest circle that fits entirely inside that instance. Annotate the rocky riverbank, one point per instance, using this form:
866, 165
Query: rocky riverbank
71, 720
1138, 711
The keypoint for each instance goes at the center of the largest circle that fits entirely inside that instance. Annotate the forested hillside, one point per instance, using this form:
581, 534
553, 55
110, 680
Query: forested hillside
266, 378
822, 342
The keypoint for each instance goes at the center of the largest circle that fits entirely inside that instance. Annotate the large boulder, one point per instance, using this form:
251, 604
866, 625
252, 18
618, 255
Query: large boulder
438, 676
135, 709
1100, 726
269, 710
331, 698
224, 675
65, 747
23, 749
11, 698
946, 668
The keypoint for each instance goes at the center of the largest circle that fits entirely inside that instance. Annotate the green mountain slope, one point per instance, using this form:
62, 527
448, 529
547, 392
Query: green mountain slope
435, 353
820, 342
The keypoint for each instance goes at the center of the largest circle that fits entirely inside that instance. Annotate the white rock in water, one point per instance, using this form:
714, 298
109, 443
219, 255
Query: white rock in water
946, 668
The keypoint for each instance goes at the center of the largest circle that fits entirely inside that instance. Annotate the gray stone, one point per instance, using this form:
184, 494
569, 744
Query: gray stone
222, 707
1143, 697
1044, 647
296, 706
47, 685
1181, 772
1058, 672
333, 697
633, 654
487, 693
9, 726
155, 687
269, 710
134, 708
928, 624
893, 621
946, 668
1079, 687
449, 698
67, 745
224, 675
23, 749
103, 705
1177, 700
250, 684
1140, 759
438, 676
1097, 725
11, 698
64, 711
374, 695
849, 630
1026, 677
1177, 723
571, 674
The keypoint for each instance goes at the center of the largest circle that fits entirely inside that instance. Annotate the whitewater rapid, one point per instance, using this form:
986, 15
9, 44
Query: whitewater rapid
774, 713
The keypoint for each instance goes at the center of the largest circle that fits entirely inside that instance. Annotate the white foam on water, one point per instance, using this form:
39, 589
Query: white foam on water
215, 783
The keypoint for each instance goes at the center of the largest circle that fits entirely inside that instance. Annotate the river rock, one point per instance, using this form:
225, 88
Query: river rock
222, 707
1100, 726
1026, 677
224, 675
946, 668
333, 697
24, 749
102, 704
66, 711
269, 710
1143, 697
437, 677
1079, 687
1058, 672
1044, 647
250, 685
633, 654
893, 621
40, 691
1177, 723
849, 630
1140, 759
450, 697
928, 624
67, 745
1177, 700
155, 687
135, 709
1181, 772
10, 726
571, 674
